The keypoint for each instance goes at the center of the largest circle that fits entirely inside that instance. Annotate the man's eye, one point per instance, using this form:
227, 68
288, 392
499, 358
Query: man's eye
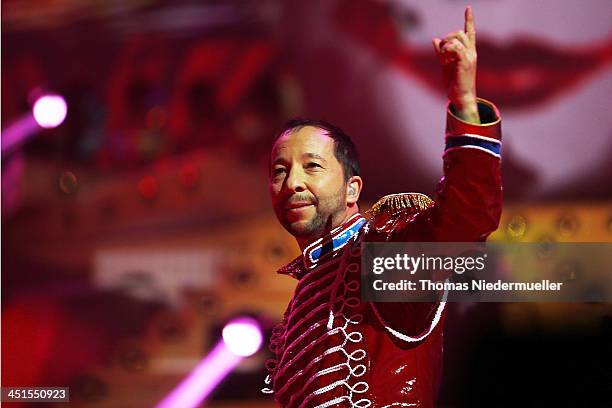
278, 171
313, 165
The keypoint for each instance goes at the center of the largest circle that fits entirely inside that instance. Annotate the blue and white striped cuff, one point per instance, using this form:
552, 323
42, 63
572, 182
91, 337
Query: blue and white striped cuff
469, 141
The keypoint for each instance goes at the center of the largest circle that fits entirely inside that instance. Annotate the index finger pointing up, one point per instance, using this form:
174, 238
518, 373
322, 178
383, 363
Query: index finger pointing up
469, 24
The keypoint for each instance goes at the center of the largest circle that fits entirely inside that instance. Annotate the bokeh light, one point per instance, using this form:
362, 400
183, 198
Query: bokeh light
242, 336
147, 187
50, 111
68, 182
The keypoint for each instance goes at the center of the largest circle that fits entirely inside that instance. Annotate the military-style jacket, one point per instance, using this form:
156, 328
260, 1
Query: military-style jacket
332, 349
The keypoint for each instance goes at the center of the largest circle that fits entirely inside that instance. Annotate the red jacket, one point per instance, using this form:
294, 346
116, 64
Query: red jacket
331, 348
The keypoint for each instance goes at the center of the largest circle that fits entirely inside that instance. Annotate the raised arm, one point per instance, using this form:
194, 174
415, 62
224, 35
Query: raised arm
468, 202
469, 197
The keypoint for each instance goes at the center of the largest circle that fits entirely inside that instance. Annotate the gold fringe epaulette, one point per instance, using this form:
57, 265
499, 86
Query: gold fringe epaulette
393, 203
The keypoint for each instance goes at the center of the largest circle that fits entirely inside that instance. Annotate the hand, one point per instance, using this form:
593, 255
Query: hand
457, 55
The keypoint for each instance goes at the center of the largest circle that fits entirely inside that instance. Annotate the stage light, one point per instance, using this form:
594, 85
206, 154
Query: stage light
50, 111
242, 336
147, 187
202, 380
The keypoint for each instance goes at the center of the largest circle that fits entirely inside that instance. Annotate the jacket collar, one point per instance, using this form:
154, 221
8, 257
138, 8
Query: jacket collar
324, 248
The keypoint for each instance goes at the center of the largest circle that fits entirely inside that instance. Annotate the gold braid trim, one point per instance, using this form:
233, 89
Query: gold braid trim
413, 203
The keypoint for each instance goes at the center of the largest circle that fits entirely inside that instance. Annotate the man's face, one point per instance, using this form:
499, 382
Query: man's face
307, 184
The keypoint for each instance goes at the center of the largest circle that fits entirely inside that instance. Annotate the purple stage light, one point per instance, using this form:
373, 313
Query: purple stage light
18, 132
50, 111
241, 338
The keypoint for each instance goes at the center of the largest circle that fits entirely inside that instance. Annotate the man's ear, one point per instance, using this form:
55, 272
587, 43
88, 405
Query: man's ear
353, 189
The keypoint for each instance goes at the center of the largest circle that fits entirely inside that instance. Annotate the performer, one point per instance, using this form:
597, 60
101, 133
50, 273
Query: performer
332, 349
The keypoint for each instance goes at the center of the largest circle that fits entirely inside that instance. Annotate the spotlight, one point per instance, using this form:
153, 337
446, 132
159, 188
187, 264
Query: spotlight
242, 336
50, 111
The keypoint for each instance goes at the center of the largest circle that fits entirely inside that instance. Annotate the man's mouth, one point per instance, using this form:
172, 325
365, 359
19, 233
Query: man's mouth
297, 206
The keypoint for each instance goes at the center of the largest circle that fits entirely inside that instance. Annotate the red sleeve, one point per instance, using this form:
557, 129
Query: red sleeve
469, 196
467, 208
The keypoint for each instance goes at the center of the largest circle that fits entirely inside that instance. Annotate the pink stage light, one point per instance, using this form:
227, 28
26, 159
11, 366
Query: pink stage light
18, 132
241, 338
50, 111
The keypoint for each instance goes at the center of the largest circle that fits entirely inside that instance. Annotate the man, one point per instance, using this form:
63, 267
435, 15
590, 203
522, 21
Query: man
331, 348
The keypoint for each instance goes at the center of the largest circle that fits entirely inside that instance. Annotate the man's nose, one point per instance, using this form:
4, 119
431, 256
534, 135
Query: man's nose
295, 181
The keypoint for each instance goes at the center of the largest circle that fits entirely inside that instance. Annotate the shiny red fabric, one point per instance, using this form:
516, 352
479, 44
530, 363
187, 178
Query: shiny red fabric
332, 349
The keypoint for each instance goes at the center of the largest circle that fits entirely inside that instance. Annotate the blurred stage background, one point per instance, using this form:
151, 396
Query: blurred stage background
133, 231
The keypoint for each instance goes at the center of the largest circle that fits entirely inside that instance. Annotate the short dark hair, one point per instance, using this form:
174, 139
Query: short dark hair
344, 148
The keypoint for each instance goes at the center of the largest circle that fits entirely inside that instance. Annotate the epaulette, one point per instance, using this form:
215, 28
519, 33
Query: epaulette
392, 204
